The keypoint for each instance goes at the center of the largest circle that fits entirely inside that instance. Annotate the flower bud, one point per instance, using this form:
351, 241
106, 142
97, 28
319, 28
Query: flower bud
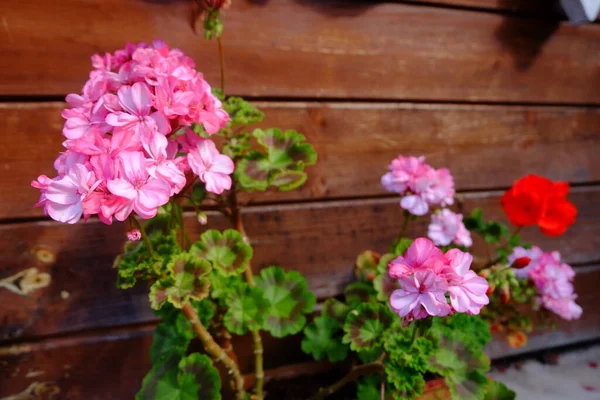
134, 235
505, 294
521, 262
516, 339
202, 218
215, 4
490, 289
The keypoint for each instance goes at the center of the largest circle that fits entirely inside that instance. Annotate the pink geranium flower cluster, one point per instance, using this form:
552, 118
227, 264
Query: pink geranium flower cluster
128, 145
552, 278
427, 276
421, 185
447, 227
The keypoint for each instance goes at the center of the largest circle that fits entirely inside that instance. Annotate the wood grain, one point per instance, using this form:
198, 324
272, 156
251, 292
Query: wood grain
309, 48
541, 7
484, 146
321, 240
112, 364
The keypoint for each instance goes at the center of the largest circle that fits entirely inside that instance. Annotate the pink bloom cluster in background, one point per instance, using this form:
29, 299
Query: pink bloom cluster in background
421, 185
552, 278
128, 145
447, 227
425, 275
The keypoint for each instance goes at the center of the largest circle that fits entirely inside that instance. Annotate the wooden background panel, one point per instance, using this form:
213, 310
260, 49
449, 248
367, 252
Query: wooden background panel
484, 146
112, 365
321, 240
353, 49
542, 7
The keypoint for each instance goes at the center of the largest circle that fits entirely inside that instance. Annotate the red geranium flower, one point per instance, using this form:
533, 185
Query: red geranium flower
535, 200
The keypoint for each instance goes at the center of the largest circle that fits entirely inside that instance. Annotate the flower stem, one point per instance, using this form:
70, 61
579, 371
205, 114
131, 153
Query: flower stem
237, 221
216, 351
351, 376
145, 237
221, 62
404, 225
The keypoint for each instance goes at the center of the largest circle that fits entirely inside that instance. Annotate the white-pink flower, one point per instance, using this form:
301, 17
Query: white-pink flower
64, 195
421, 255
468, 291
145, 194
213, 168
123, 130
520, 252
422, 290
420, 185
447, 227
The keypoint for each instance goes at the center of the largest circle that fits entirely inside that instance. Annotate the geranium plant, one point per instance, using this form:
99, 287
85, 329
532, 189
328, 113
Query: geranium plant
148, 138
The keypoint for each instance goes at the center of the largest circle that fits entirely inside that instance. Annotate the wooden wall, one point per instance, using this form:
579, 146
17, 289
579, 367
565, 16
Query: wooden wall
492, 89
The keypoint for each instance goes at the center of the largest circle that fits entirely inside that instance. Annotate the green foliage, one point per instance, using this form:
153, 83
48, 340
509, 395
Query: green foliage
459, 357
200, 369
400, 246
491, 231
359, 292
281, 162
136, 263
333, 308
368, 388
186, 279
322, 339
366, 266
226, 251
498, 391
365, 326
192, 378
171, 338
241, 112
405, 383
213, 27
246, 309
384, 285
289, 300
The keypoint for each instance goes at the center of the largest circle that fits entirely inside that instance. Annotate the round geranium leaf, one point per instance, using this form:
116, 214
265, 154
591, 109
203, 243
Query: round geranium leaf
226, 251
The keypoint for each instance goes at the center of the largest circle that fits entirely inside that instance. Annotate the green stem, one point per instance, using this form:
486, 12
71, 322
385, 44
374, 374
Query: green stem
216, 351
258, 364
404, 225
221, 63
354, 374
145, 237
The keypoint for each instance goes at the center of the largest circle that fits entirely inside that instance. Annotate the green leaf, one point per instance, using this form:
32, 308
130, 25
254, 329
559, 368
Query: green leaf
400, 246
237, 145
241, 112
171, 338
226, 251
136, 263
365, 326
333, 308
475, 221
384, 285
322, 339
246, 309
366, 266
289, 300
221, 286
199, 370
288, 180
187, 279
281, 164
405, 383
498, 391
368, 387
459, 357
359, 292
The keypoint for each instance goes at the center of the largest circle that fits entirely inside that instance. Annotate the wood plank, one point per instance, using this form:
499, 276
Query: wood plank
321, 240
484, 146
120, 357
543, 7
354, 49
